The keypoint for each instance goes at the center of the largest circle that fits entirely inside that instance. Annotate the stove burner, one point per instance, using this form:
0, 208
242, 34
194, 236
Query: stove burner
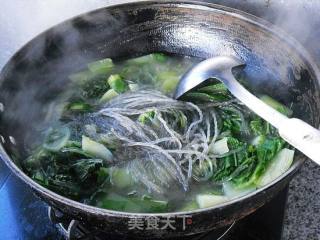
75, 230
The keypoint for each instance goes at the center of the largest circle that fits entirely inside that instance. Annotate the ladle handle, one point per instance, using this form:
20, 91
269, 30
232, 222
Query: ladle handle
303, 137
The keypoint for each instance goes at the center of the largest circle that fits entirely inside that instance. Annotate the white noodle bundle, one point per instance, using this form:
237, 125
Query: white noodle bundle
163, 151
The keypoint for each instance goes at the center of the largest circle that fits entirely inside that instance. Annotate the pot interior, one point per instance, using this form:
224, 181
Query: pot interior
37, 75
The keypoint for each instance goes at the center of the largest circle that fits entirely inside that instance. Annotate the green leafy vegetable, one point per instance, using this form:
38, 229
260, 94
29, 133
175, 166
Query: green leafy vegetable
85, 167
218, 88
141, 60
220, 147
117, 83
102, 175
133, 87
169, 80
103, 66
96, 149
276, 105
189, 206
258, 127
208, 200
94, 88
111, 93
121, 178
57, 138
258, 165
79, 107
204, 97
147, 117
133, 204
280, 164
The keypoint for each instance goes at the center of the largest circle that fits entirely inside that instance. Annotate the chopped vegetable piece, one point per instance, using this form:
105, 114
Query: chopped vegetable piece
121, 178
208, 200
220, 147
147, 116
276, 105
110, 94
96, 149
57, 138
79, 107
151, 205
258, 140
118, 203
141, 60
117, 83
103, 66
133, 204
189, 206
280, 164
133, 87
169, 80
233, 192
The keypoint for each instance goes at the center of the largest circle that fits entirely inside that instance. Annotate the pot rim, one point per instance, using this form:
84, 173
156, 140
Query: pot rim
267, 26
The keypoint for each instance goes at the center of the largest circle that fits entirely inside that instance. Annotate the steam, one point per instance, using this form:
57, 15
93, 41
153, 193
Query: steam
296, 17
22, 20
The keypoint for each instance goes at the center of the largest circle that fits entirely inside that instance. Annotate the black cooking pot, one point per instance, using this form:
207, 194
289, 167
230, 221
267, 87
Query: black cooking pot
31, 81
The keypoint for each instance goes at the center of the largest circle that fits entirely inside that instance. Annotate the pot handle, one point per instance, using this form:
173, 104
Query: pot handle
302, 136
